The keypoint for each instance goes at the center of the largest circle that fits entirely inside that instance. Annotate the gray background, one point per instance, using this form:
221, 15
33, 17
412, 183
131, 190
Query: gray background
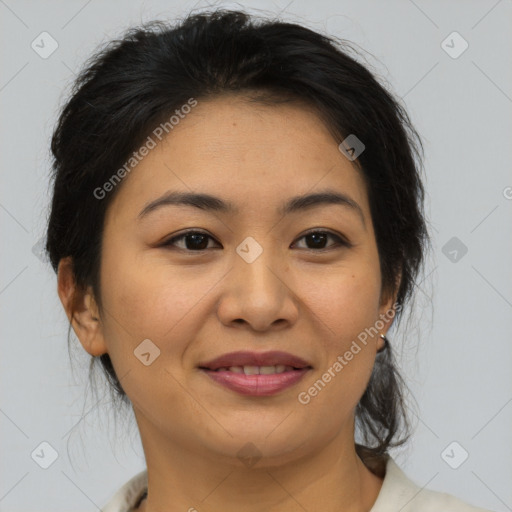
457, 354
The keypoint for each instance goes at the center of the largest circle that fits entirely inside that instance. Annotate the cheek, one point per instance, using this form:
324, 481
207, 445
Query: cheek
141, 302
147, 306
347, 306
347, 301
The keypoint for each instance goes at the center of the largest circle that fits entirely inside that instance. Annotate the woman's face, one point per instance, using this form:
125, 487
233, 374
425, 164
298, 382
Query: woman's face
252, 279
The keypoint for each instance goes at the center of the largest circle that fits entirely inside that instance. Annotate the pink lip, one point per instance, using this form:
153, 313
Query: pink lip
246, 358
257, 385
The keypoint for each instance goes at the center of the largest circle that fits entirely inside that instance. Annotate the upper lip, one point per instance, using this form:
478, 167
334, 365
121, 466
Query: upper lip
246, 358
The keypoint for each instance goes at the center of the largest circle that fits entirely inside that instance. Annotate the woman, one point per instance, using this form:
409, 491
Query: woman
237, 221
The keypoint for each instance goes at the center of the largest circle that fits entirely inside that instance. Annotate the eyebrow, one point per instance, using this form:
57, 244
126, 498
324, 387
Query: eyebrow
212, 203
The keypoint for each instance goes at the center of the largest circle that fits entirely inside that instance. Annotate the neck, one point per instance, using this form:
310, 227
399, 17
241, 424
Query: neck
184, 477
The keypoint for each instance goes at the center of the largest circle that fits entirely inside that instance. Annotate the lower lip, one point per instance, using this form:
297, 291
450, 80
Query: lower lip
257, 385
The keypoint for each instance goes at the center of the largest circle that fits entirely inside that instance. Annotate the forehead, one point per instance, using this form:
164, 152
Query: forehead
247, 153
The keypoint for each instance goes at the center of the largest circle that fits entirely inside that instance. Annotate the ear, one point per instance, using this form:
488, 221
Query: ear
81, 309
388, 309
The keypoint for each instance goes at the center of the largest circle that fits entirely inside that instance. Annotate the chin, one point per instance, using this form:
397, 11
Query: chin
266, 447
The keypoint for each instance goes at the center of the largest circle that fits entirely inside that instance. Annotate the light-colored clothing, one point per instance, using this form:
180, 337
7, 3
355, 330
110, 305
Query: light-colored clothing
398, 493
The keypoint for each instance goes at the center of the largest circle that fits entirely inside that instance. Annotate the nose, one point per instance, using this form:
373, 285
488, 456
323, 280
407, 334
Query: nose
258, 295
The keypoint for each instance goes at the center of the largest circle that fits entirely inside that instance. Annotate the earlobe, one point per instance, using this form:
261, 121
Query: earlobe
387, 312
81, 309
383, 343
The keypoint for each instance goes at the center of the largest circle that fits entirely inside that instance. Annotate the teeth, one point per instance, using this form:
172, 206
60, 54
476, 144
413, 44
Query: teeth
268, 370
251, 370
257, 370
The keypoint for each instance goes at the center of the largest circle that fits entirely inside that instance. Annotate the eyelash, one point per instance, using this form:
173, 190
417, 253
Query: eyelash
340, 241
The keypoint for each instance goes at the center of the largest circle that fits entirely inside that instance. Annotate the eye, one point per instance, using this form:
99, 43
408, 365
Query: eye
194, 241
317, 240
197, 241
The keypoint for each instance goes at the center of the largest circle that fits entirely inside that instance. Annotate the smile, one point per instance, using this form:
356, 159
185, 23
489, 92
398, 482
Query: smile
257, 380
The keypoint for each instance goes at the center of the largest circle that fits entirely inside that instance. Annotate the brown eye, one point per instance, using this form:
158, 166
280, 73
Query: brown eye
194, 241
317, 240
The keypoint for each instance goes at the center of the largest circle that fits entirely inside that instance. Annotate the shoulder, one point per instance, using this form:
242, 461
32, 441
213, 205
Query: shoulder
398, 492
432, 501
126, 497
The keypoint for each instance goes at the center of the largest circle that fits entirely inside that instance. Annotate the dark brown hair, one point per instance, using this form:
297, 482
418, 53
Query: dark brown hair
133, 84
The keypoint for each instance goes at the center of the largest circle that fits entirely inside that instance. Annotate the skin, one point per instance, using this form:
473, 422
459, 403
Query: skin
197, 305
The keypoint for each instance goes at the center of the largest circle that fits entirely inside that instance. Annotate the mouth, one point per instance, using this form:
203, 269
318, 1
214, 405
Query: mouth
256, 370
256, 384
253, 363
256, 374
